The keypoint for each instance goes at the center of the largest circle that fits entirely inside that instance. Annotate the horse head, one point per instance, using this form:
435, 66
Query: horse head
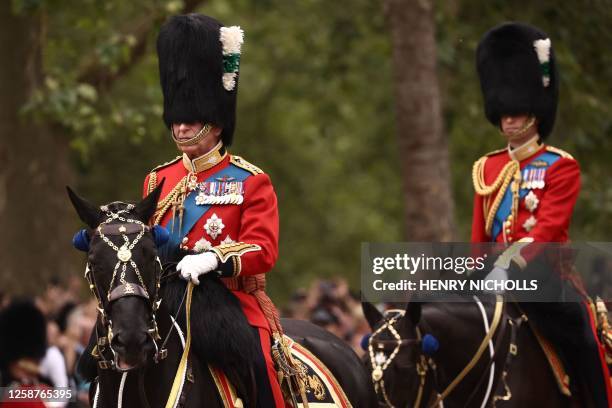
124, 272
396, 355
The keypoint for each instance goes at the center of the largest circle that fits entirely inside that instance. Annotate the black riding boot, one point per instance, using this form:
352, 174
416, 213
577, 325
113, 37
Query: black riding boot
567, 325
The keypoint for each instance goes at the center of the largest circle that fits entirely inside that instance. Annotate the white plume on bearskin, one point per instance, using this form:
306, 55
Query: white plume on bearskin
231, 39
542, 48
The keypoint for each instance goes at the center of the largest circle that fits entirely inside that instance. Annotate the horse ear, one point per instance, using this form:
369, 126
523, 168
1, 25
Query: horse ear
371, 313
146, 208
88, 213
413, 312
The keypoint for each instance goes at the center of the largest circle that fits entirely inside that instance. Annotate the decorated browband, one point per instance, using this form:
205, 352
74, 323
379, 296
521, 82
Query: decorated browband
82, 239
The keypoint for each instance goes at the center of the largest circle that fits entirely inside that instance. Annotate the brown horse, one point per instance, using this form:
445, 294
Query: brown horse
438, 353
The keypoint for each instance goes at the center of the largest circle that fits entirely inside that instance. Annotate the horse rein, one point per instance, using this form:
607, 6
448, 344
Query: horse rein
119, 224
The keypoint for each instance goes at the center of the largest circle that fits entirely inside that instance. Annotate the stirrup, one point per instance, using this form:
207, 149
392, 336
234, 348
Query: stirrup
288, 372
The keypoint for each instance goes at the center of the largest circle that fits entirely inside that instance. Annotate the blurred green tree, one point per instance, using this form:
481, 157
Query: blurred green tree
316, 111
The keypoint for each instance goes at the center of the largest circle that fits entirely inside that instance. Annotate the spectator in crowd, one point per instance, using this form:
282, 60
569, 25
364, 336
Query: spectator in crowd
331, 305
23, 344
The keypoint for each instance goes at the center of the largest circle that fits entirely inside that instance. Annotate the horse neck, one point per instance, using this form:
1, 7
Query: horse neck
158, 377
459, 329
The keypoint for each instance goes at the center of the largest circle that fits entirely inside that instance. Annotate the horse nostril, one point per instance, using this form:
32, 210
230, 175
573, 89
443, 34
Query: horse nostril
117, 341
133, 341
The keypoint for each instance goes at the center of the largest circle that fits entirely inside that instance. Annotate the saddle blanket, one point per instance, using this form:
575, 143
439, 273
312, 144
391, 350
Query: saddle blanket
322, 388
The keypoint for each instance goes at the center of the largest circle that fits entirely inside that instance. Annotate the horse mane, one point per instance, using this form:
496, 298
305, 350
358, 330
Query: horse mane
220, 332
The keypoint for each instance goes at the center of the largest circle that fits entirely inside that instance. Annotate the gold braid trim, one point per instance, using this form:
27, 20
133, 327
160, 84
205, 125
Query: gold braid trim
225, 251
166, 203
511, 171
152, 182
169, 162
560, 152
243, 164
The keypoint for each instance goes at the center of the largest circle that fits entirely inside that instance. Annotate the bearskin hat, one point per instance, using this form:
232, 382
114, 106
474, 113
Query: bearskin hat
518, 74
198, 69
23, 332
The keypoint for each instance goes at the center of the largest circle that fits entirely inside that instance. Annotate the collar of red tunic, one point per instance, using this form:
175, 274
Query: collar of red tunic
206, 161
526, 150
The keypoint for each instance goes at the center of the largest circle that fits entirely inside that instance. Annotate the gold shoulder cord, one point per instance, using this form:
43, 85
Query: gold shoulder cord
511, 171
164, 205
152, 182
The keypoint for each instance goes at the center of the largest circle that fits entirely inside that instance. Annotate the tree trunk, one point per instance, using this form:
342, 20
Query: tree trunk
36, 219
423, 146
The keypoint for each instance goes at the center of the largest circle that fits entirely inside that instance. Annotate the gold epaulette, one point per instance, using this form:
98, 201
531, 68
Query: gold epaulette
560, 152
478, 166
166, 163
243, 164
153, 174
494, 152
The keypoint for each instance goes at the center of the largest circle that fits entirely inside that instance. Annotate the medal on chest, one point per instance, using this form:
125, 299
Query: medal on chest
223, 190
533, 178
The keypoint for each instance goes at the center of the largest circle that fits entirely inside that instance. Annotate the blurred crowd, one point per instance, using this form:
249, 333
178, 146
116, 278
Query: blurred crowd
332, 305
42, 338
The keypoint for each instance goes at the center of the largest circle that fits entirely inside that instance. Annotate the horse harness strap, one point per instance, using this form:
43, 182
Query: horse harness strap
515, 325
497, 314
181, 371
503, 327
378, 367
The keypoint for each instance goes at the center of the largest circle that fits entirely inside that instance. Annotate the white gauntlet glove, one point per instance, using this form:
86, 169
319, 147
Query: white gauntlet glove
192, 266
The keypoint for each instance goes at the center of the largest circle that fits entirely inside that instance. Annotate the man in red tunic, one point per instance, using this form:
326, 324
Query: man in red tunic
218, 207
526, 192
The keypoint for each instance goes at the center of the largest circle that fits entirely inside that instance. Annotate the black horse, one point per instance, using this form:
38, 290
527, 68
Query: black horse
139, 337
435, 342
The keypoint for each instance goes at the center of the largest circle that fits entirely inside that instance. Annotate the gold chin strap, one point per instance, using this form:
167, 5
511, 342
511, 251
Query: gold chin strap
203, 133
519, 133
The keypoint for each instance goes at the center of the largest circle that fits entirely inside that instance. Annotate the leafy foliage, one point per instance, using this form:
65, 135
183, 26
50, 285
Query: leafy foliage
316, 110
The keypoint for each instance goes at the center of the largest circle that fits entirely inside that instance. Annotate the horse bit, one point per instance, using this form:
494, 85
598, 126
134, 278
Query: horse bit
118, 224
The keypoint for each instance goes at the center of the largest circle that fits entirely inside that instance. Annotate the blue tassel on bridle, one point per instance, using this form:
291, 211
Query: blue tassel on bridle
81, 240
429, 345
160, 235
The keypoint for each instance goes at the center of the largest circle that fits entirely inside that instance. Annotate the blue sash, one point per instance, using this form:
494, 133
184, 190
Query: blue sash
193, 212
505, 207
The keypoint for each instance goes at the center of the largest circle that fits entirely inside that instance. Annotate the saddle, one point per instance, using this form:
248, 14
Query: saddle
317, 384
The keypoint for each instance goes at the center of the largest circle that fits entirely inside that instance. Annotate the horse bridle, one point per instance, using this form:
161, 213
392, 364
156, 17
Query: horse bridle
118, 223
424, 364
380, 362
